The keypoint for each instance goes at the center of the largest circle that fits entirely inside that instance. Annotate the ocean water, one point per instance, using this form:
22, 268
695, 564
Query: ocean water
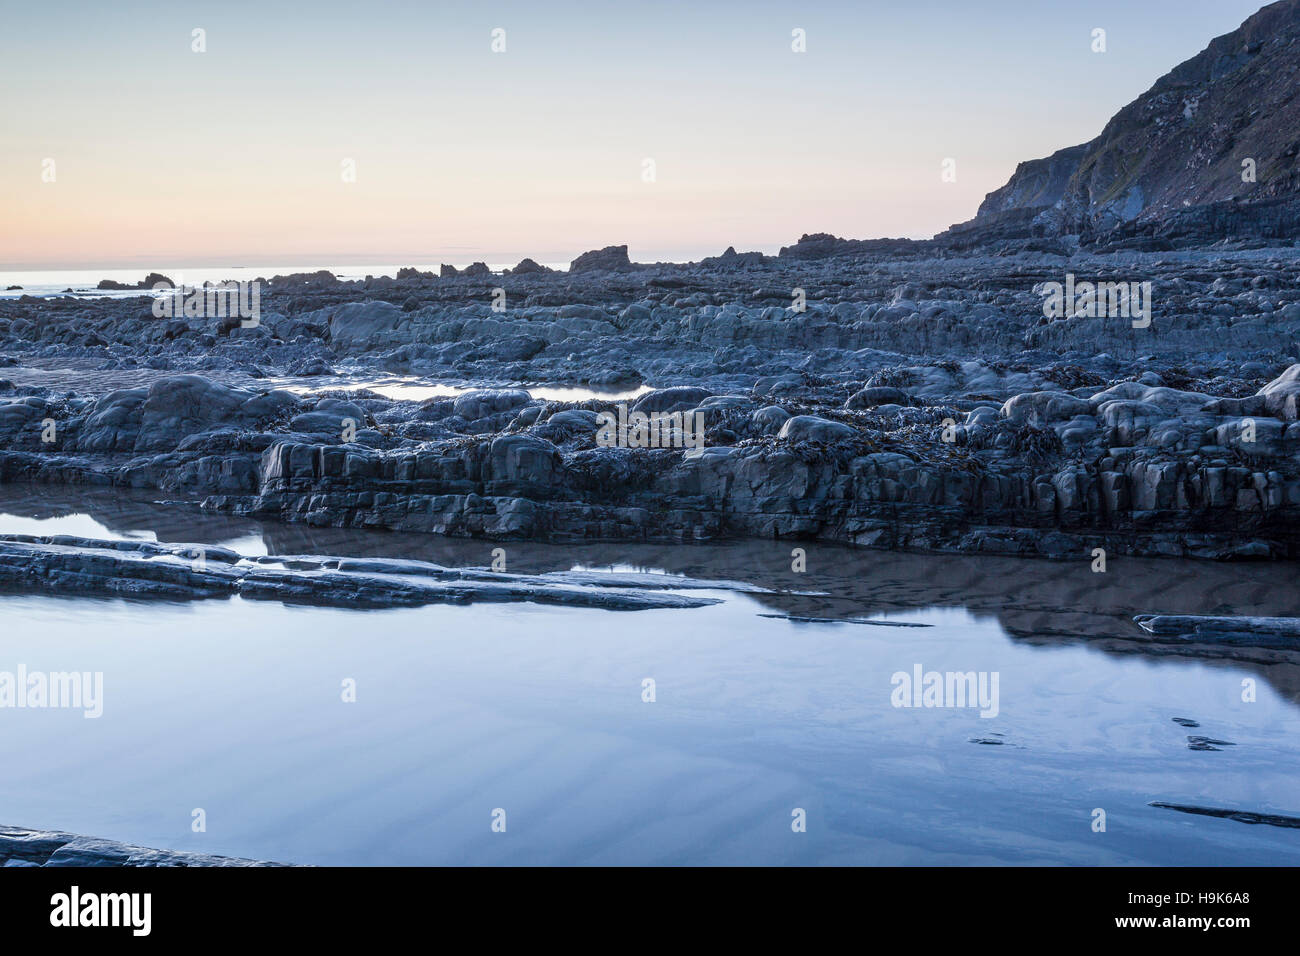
84, 281
768, 708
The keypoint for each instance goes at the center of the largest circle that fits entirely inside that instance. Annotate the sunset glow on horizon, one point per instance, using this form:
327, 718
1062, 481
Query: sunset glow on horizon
122, 146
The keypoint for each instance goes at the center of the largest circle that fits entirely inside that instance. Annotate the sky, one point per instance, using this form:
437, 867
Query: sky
678, 128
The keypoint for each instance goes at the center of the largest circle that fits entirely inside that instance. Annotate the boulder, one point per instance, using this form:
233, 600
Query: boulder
813, 428
358, 324
481, 403
679, 398
1282, 395
1044, 407
877, 395
609, 259
522, 458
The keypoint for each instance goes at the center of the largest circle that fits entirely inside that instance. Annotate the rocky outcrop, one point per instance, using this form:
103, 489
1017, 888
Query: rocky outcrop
1027, 205
1241, 816
686, 325
23, 847
609, 259
1036, 185
528, 267
906, 402
731, 259
1209, 151
1134, 467
823, 245
1279, 632
71, 565
148, 282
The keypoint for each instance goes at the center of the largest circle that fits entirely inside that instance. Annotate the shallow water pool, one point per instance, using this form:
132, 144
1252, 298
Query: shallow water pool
757, 721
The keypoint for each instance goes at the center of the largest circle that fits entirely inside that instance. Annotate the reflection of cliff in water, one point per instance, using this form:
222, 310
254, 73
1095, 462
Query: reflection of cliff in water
1036, 602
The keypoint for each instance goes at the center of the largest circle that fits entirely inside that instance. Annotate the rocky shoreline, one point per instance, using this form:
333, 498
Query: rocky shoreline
1105, 359
20, 846
910, 402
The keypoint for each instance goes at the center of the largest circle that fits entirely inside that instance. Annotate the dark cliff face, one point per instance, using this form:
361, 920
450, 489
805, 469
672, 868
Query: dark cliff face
1221, 130
1036, 184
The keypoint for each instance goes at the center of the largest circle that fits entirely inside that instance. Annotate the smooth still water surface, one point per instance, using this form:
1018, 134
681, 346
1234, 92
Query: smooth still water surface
235, 707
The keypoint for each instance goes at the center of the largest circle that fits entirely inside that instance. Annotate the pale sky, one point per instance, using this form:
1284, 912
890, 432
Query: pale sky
234, 156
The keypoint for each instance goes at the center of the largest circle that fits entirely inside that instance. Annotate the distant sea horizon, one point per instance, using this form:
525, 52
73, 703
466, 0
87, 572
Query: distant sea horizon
45, 282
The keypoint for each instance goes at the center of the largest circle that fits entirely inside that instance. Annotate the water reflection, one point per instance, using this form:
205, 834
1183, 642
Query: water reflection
411, 388
234, 706
1039, 603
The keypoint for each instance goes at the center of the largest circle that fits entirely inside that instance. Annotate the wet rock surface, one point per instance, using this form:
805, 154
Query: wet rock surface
1003, 485
1106, 357
68, 564
1036, 602
1241, 816
1048, 606
914, 402
1281, 632
24, 847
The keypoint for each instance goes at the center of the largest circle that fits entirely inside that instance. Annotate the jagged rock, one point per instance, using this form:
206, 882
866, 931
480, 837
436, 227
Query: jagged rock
70, 565
1133, 183
609, 259
528, 267
150, 281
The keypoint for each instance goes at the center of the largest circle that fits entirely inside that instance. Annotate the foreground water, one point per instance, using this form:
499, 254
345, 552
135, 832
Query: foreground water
763, 705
